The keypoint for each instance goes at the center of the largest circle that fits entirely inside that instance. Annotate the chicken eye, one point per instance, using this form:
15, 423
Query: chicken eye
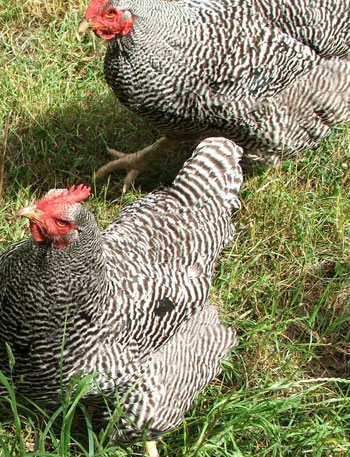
62, 222
110, 13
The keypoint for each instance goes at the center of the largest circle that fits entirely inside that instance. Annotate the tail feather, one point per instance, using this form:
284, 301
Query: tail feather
302, 115
212, 176
173, 376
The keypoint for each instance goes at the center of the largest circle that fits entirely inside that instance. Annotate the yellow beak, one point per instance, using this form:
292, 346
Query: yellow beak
31, 212
85, 25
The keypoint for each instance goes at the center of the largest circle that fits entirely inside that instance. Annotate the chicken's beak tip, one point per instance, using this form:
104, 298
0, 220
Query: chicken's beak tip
29, 212
84, 26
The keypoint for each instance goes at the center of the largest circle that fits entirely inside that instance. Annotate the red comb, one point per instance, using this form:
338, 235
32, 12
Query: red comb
75, 195
70, 196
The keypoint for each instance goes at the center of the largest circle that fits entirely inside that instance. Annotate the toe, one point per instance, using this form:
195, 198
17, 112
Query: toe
130, 178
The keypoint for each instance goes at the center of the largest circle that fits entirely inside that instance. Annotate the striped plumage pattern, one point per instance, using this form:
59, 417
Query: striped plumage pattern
134, 297
269, 74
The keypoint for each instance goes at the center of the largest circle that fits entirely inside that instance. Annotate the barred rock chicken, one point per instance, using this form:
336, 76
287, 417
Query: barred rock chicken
134, 296
269, 74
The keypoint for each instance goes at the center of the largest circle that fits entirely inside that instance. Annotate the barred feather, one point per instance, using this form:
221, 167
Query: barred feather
134, 297
267, 74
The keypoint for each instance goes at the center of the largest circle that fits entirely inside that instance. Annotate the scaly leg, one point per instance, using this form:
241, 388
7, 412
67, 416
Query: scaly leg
135, 162
151, 448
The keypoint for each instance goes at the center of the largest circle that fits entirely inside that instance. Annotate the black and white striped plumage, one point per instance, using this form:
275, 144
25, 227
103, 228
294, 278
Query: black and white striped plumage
269, 74
135, 295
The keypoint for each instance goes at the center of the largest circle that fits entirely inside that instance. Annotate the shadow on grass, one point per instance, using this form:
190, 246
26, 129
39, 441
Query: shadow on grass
64, 147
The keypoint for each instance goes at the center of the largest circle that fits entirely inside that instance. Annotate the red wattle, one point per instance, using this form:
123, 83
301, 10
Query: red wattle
36, 232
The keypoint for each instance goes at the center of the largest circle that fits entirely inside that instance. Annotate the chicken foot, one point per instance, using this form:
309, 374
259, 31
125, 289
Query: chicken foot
135, 162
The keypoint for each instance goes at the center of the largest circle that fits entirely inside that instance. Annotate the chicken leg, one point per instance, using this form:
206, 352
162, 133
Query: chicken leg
135, 162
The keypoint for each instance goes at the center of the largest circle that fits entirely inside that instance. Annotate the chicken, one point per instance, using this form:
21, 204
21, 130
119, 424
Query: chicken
131, 300
270, 75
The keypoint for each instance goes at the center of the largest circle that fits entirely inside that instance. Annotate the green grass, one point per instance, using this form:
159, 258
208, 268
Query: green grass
284, 283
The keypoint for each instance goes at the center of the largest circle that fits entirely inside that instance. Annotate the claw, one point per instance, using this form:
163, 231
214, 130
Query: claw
134, 163
130, 178
131, 174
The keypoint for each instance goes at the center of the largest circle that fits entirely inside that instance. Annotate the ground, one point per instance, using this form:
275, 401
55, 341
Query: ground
284, 282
